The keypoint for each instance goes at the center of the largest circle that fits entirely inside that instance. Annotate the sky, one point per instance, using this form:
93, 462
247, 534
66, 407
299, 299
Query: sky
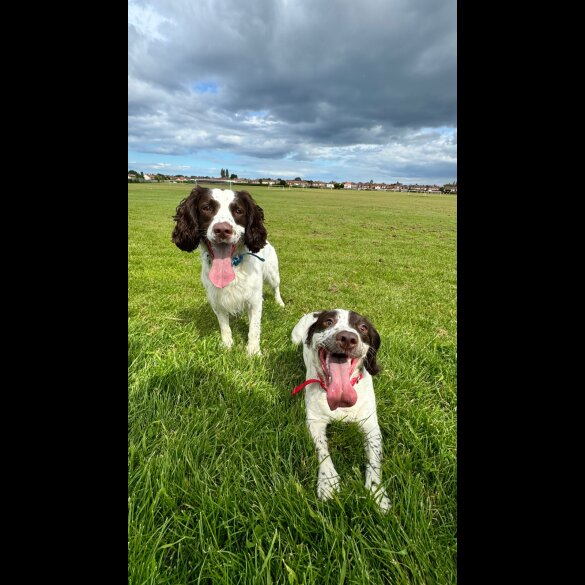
334, 90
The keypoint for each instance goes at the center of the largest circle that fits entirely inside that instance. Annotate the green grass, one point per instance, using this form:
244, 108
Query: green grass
222, 473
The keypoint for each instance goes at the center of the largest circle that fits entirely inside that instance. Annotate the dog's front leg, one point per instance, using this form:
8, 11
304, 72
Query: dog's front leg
255, 319
374, 468
328, 480
224, 327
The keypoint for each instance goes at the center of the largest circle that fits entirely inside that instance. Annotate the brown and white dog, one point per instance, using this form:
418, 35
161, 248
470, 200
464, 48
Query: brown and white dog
228, 228
339, 350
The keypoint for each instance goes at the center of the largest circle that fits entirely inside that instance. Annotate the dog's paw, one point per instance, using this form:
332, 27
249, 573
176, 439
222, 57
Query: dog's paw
253, 349
327, 486
278, 298
381, 497
227, 341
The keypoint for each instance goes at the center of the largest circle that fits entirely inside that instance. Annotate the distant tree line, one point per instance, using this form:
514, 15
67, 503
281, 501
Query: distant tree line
135, 176
138, 177
225, 174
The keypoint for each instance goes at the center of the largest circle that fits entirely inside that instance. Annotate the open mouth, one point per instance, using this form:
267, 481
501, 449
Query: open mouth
337, 370
221, 272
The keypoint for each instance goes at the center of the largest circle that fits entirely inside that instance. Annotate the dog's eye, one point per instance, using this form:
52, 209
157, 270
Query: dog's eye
238, 211
328, 322
363, 328
206, 207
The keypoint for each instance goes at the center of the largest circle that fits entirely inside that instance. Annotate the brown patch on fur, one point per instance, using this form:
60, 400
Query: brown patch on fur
371, 337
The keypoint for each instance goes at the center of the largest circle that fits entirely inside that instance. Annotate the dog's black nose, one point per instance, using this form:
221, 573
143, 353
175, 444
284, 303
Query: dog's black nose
346, 340
222, 230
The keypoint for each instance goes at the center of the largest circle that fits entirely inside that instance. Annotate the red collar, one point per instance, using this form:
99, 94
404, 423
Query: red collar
319, 381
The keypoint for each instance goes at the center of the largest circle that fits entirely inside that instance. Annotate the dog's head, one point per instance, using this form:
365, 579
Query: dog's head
224, 218
338, 343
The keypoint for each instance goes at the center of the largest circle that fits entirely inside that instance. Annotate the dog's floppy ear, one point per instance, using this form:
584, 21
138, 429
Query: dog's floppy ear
255, 235
186, 232
370, 360
300, 329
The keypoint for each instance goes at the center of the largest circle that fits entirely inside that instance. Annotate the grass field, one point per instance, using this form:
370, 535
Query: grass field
222, 473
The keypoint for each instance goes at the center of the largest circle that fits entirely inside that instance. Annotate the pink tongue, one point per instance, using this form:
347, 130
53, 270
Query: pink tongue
340, 392
221, 272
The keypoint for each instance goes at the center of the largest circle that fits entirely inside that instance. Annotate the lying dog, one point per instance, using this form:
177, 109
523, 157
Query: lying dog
339, 349
228, 227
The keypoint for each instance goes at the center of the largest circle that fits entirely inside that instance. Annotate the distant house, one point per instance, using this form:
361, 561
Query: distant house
450, 188
294, 183
148, 177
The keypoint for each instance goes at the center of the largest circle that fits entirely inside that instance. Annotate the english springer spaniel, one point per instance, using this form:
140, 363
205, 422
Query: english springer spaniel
228, 228
339, 350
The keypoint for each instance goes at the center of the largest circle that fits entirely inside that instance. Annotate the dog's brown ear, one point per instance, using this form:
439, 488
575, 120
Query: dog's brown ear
186, 233
370, 360
255, 235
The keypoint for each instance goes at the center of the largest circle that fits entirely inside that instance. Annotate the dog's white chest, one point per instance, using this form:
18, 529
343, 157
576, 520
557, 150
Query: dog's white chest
236, 296
317, 407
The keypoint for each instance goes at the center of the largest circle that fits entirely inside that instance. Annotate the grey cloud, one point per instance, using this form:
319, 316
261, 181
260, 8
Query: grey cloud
328, 73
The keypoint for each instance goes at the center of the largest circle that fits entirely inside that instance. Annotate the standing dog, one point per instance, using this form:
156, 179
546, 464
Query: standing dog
228, 228
337, 345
